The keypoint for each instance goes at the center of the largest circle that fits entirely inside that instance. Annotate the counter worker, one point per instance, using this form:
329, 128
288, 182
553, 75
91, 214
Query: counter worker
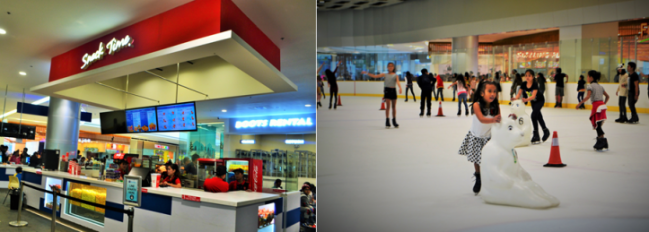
124, 169
15, 158
278, 184
35, 161
23, 156
217, 184
172, 179
4, 154
239, 183
190, 166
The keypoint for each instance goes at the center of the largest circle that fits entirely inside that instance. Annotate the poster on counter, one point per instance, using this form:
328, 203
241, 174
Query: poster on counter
132, 190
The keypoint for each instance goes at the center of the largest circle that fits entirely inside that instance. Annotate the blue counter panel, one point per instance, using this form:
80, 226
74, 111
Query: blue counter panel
32, 178
117, 216
156, 203
3, 176
279, 205
292, 217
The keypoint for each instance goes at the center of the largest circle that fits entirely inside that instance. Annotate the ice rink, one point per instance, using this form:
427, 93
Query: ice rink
412, 179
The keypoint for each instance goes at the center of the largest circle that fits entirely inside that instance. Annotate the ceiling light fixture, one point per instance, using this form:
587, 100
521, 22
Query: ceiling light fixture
22, 73
2, 31
224, 110
307, 105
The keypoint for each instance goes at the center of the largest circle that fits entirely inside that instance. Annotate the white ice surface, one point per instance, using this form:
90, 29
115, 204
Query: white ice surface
412, 179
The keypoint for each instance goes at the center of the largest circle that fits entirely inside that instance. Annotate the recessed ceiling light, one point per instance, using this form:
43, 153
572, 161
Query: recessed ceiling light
22, 73
2, 31
224, 110
307, 105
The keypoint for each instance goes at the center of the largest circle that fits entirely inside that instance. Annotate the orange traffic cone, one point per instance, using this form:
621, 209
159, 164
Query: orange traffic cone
439, 112
340, 103
382, 104
555, 155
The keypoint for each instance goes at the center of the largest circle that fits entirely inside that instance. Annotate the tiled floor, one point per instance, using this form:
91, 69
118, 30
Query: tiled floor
36, 223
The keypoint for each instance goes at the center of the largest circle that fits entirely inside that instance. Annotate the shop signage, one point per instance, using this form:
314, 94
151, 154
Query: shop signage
84, 140
112, 47
145, 190
536, 55
161, 147
255, 174
132, 190
191, 198
300, 123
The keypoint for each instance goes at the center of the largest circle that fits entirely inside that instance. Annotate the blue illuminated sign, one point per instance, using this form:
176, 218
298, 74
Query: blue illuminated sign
271, 125
294, 141
247, 141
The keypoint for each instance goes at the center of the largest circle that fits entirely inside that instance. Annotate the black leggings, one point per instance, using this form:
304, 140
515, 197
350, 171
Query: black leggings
537, 117
333, 92
580, 97
599, 130
632, 101
412, 91
622, 104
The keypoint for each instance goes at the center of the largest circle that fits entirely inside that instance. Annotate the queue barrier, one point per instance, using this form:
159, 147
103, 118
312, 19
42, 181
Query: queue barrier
56, 194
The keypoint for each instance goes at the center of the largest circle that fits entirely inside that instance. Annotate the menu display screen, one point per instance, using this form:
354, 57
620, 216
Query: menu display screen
179, 117
141, 120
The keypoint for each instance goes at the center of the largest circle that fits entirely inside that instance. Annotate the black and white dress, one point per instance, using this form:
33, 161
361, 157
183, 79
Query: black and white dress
475, 140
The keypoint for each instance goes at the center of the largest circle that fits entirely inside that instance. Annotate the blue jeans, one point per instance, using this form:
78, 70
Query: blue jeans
460, 98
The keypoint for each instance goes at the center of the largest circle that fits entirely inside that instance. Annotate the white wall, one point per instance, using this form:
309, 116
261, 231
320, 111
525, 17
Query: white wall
375, 88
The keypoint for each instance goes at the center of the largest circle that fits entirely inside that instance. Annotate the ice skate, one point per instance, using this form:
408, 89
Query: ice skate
546, 134
621, 120
478, 183
428, 113
387, 123
535, 138
394, 122
421, 114
601, 144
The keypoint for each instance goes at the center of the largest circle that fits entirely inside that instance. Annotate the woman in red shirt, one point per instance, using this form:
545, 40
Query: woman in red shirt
172, 179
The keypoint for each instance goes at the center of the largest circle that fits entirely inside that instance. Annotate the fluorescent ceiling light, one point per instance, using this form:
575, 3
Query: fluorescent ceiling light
224, 110
307, 105
247, 141
22, 73
2, 31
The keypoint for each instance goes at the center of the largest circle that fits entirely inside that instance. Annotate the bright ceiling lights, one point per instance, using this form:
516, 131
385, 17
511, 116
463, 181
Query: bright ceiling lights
224, 110
307, 105
22, 73
2, 31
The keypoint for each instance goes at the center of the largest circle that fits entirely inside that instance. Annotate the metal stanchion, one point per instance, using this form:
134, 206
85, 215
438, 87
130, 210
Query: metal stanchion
19, 223
130, 219
54, 206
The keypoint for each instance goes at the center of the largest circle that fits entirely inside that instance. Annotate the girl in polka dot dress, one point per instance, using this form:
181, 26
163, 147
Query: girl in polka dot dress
486, 111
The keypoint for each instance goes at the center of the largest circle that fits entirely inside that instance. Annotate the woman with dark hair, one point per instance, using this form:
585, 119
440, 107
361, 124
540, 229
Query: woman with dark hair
515, 84
391, 80
15, 158
333, 85
461, 95
540, 80
531, 93
409, 78
173, 179
598, 98
581, 88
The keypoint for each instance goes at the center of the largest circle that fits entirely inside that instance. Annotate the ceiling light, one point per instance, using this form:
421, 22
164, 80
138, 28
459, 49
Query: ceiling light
22, 73
2, 31
224, 110
307, 105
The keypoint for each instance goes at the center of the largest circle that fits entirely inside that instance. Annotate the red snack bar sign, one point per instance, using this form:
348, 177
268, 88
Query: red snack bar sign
191, 198
145, 190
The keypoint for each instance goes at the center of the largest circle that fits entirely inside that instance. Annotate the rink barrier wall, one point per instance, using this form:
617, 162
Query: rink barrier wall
375, 89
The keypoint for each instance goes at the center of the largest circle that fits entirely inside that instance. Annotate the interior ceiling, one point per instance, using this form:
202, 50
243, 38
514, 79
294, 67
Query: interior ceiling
36, 32
422, 45
329, 5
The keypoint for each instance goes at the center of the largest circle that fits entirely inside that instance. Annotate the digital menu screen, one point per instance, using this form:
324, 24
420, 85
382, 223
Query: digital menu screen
179, 117
141, 120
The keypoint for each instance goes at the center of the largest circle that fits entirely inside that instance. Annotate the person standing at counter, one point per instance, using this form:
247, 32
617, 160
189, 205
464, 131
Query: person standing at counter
35, 161
239, 183
15, 158
278, 184
217, 184
24, 156
306, 208
172, 180
189, 166
124, 168
4, 154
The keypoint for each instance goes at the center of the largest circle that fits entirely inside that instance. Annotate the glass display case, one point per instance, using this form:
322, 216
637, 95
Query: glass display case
84, 211
49, 198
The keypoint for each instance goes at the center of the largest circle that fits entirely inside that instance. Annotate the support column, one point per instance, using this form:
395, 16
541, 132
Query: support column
465, 54
62, 125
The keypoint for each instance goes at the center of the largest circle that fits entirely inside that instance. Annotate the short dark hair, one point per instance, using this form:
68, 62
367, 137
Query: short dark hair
19, 169
278, 181
238, 170
220, 170
424, 70
594, 74
632, 65
195, 157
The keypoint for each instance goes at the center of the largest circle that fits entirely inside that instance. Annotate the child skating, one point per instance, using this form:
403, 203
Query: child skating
391, 80
487, 111
598, 113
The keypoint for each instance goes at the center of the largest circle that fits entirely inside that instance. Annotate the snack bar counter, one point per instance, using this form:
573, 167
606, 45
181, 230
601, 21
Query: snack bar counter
162, 209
